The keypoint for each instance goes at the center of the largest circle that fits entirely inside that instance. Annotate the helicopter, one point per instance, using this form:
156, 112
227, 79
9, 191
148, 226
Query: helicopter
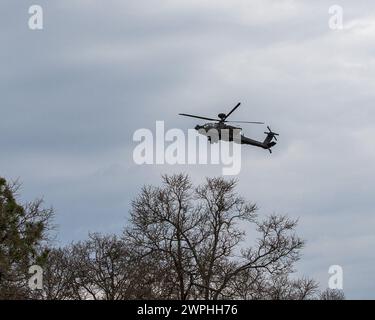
207, 129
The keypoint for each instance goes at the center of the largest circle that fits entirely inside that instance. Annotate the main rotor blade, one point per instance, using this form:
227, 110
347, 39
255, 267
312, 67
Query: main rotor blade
237, 105
193, 116
254, 122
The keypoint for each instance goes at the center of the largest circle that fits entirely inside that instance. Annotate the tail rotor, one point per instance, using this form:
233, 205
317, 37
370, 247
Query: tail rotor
268, 143
271, 133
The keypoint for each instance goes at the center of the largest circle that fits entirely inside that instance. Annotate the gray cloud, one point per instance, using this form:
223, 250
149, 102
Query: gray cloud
74, 93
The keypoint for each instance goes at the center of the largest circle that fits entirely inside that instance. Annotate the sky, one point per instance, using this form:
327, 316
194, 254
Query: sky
73, 94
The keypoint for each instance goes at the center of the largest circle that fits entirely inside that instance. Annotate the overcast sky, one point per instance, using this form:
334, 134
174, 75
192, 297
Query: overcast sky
73, 94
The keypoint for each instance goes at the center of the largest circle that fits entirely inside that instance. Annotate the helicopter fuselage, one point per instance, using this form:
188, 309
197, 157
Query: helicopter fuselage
221, 131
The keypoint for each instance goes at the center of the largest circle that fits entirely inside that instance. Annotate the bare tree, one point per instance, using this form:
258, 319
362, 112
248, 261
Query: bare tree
257, 284
198, 236
100, 268
332, 294
58, 275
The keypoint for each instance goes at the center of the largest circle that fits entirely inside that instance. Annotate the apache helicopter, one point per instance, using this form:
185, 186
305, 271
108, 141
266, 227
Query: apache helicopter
220, 124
